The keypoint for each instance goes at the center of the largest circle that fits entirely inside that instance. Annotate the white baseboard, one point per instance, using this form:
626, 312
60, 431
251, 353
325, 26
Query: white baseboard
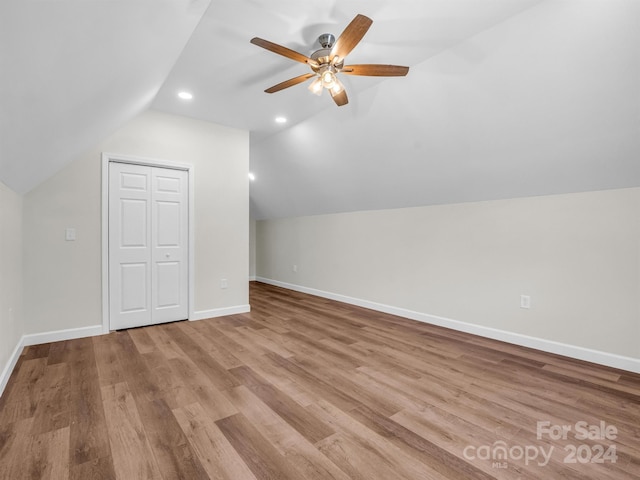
8, 368
550, 346
252, 278
59, 335
220, 312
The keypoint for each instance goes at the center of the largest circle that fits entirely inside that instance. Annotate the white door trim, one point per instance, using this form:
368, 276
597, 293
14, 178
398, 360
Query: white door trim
150, 162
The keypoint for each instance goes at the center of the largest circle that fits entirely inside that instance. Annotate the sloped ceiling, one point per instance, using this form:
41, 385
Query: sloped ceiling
505, 98
545, 102
73, 71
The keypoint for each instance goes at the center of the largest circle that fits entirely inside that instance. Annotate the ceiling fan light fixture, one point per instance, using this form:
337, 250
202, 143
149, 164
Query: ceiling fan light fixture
328, 79
337, 86
316, 86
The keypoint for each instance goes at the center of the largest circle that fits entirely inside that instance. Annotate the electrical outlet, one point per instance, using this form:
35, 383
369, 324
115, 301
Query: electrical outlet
525, 301
224, 283
70, 234
295, 268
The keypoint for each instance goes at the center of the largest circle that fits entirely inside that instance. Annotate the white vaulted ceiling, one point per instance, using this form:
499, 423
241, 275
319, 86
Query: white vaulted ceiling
73, 71
504, 98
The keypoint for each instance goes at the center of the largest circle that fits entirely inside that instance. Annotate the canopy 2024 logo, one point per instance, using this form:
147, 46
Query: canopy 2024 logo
500, 453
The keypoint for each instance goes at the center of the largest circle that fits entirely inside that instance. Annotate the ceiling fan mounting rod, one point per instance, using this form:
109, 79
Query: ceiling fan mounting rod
326, 40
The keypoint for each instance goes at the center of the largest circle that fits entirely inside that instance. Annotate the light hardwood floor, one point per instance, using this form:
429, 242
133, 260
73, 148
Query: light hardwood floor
307, 388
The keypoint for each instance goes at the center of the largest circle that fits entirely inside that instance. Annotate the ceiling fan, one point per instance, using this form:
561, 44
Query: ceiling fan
327, 62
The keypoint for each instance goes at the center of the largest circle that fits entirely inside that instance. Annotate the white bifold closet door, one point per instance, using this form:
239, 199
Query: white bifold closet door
148, 245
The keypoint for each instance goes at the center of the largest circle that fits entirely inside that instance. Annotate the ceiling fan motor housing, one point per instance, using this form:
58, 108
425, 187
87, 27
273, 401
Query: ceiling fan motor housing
321, 56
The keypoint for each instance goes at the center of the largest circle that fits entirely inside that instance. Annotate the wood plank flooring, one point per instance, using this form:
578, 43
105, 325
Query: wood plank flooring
304, 388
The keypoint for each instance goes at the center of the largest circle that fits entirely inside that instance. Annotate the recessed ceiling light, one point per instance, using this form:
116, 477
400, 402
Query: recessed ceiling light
281, 120
185, 95
252, 177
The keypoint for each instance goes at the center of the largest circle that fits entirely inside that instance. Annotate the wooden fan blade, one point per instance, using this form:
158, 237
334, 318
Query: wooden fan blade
340, 98
374, 70
351, 36
280, 50
290, 83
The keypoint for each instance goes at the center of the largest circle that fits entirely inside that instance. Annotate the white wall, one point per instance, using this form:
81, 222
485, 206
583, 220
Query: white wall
11, 323
63, 279
576, 255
